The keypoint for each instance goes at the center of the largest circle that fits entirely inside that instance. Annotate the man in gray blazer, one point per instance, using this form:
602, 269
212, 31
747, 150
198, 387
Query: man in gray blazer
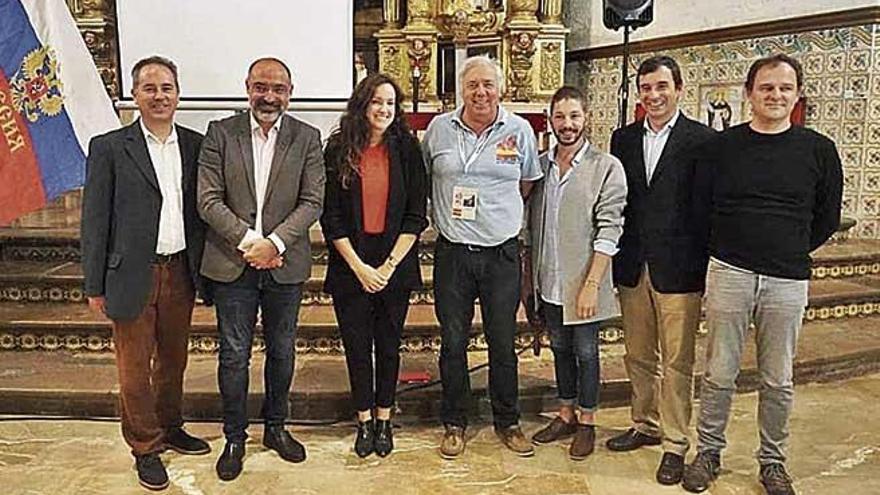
260, 187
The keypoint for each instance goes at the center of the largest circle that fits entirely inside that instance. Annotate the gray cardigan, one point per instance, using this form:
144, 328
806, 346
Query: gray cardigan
591, 208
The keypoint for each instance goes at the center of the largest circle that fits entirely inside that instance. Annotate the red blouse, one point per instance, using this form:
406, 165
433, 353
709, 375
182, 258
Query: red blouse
374, 187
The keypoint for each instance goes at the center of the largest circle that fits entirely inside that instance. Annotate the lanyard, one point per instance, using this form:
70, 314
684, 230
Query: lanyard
482, 141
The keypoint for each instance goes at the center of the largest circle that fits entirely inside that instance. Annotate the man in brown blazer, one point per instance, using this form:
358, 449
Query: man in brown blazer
261, 186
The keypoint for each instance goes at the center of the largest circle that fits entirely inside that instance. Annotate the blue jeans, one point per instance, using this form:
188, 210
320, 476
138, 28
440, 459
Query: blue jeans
734, 298
237, 304
575, 358
461, 275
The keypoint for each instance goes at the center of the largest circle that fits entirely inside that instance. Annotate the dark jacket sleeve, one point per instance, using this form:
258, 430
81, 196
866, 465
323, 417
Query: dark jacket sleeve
97, 215
334, 223
704, 161
826, 209
615, 144
415, 215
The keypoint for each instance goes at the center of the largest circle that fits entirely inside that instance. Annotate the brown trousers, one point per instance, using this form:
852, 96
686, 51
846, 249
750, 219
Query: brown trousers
659, 335
151, 355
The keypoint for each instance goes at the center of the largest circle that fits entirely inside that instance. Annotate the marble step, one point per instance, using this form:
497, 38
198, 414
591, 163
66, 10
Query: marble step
836, 259
60, 245
27, 325
60, 281
78, 383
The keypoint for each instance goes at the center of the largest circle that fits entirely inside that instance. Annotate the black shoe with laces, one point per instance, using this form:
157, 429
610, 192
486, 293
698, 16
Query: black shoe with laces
182, 442
384, 437
775, 480
364, 441
701, 472
151, 472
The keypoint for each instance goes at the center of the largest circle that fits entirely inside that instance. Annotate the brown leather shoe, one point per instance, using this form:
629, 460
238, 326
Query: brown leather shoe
556, 430
512, 437
452, 445
583, 443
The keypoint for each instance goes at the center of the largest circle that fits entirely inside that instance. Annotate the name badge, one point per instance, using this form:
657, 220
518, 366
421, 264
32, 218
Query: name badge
464, 203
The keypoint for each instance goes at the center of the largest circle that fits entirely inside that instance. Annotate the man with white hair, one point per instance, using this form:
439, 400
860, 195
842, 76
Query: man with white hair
482, 161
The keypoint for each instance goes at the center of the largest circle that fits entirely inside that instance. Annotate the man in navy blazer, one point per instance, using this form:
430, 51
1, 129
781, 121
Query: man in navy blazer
660, 268
141, 249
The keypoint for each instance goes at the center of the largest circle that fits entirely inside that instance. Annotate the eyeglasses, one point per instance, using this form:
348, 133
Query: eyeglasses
278, 89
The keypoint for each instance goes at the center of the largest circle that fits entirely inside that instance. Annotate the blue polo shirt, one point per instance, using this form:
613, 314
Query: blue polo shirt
493, 163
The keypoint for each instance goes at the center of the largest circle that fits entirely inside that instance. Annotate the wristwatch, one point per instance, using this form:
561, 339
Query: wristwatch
393, 261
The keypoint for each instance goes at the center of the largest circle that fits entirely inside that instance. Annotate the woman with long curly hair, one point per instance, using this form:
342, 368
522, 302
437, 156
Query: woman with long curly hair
374, 212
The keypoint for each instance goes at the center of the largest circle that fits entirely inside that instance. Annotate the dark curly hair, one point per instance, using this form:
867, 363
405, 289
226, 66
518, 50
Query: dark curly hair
353, 134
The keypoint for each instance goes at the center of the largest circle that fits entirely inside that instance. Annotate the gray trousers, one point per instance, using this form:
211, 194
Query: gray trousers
734, 298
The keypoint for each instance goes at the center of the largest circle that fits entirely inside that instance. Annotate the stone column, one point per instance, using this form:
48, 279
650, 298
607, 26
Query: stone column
551, 11
523, 10
391, 13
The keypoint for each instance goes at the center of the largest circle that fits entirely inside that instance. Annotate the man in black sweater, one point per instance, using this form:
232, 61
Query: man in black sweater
767, 194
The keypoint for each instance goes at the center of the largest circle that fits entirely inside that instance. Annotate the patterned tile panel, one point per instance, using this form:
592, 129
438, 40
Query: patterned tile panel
842, 86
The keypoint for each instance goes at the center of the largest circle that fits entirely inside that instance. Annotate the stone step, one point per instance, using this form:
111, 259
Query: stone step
78, 383
72, 326
836, 259
60, 245
61, 281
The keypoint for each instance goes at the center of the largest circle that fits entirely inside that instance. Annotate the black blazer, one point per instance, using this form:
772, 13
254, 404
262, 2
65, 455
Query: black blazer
658, 228
120, 217
405, 214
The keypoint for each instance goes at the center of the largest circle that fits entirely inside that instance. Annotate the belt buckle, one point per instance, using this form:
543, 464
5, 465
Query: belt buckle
473, 249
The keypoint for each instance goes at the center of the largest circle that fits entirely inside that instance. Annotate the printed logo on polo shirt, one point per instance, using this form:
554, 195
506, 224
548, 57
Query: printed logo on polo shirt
506, 152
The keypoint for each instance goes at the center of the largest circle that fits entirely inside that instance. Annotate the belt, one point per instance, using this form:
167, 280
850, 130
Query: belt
477, 248
164, 259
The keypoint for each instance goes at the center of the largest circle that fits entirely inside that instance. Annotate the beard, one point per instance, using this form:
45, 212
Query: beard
562, 136
267, 112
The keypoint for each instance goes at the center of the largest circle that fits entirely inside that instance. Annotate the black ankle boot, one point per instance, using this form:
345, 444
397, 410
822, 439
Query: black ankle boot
384, 437
363, 442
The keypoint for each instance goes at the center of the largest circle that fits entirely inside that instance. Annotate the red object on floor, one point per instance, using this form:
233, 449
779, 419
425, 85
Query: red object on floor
411, 377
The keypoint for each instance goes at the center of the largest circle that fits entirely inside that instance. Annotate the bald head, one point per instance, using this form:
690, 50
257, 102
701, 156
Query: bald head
268, 88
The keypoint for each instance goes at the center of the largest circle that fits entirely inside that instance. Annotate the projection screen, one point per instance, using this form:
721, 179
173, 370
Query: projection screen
214, 41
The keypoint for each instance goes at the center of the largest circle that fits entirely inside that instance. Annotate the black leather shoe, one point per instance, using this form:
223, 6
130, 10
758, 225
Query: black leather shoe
671, 469
701, 472
384, 437
182, 442
364, 442
631, 440
151, 472
279, 440
229, 464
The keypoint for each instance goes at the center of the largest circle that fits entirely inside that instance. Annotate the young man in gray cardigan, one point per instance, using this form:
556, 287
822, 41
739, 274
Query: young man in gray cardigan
575, 220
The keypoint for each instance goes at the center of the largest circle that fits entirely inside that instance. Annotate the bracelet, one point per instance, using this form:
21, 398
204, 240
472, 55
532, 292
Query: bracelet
591, 282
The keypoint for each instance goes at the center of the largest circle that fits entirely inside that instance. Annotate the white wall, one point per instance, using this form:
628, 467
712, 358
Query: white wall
214, 41
672, 17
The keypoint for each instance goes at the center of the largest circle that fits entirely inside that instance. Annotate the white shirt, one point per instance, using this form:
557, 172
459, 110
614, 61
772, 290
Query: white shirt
654, 142
554, 187
263, 151
165, 156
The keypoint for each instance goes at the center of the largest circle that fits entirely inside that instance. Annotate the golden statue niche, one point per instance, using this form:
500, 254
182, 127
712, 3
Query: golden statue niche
528, 42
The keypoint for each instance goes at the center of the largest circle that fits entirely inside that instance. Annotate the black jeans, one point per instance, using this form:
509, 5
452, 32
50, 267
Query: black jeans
237, 304
463, 274
368, 320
